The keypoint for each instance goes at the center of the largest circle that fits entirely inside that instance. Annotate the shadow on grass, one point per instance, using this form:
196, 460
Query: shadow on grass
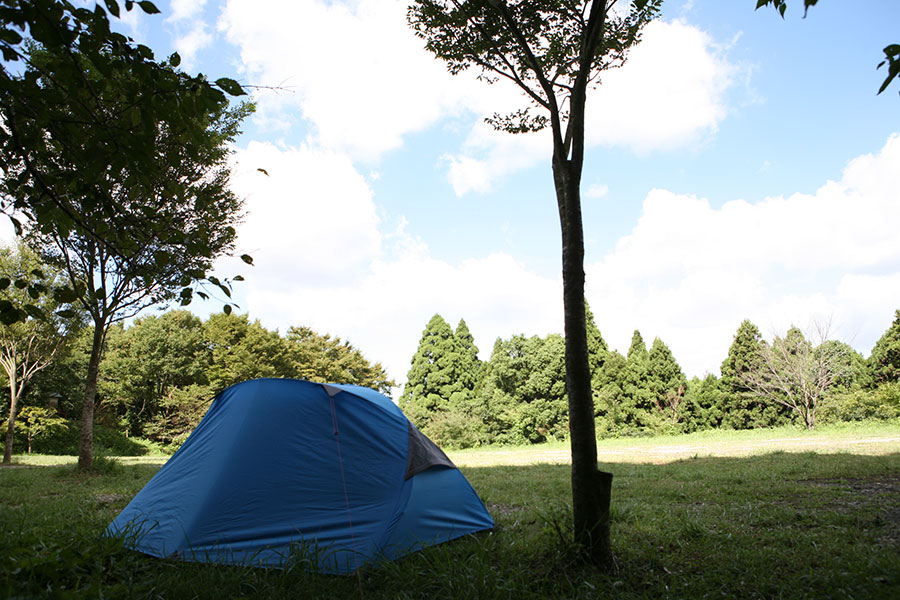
777, 525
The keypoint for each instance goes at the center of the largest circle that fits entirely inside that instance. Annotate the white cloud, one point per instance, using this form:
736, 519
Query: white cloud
184, 10
190, 43
312, 219
670, 93
690, 273
323, 259
597, 190
355, 69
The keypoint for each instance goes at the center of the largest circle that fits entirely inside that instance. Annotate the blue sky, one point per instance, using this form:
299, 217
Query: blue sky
739, 166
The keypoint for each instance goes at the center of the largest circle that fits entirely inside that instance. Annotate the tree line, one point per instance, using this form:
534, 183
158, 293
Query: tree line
159, 374
518, 395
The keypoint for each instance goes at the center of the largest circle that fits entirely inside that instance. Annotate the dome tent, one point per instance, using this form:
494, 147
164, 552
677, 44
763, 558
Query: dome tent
283, 470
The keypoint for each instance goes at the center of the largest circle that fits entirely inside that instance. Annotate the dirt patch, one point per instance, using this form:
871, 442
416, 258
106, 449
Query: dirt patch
109, 498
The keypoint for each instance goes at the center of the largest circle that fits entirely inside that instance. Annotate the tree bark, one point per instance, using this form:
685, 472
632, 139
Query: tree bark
591, 488
86, 440
11, 427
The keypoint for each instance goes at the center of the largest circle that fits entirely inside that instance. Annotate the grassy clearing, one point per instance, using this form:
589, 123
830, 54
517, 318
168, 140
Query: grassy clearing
775, 525
856, 438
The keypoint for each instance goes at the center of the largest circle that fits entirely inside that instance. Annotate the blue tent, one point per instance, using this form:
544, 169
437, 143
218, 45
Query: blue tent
282, 471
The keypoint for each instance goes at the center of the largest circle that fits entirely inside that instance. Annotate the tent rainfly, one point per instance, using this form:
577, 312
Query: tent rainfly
285, 472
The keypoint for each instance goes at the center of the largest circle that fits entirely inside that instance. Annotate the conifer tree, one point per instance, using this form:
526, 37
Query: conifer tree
666, 381
597, 349
742, 408
884, 363
470, 367
638, 406
435, 374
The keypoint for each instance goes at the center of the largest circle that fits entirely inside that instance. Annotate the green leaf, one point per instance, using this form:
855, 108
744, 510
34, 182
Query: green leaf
35, 312
237, 278
4, 283
247, 259
227, 309
148, 7
67, 313
230, 87
263, 171
112, 6
175, 59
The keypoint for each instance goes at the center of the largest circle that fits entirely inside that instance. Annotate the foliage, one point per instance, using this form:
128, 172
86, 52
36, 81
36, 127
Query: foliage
666, 382
742, 407
146, 363
703, 402
891, 52
28, 346
443, 373
317, 357
38, 421
881, 404
884, 362
794, 373
523, 396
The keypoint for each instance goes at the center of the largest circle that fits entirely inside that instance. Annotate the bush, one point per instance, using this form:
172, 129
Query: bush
456, 430
881, 404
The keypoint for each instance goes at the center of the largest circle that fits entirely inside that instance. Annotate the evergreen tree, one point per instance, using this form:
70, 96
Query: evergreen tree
884, 363
437, 376
609, 400
597, 349
470, 367
742, 408
638, 407
702, 404
666, 381
523, 399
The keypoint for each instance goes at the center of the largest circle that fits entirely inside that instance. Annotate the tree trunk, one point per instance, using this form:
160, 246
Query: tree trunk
86, 440
11, 428
591, 488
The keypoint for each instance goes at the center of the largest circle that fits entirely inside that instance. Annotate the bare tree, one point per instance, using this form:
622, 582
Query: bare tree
795, 373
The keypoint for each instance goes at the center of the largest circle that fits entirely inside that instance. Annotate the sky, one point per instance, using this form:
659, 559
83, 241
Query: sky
739, 166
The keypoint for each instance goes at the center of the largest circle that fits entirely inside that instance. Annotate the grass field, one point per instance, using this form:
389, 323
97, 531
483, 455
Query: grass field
762, 514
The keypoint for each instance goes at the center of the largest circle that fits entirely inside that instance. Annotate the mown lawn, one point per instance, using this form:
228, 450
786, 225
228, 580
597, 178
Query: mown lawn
781, 524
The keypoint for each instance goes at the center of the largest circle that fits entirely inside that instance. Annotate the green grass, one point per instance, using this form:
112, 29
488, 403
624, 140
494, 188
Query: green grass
774, 525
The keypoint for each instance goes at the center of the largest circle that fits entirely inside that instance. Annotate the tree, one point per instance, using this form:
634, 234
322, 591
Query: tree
666, 381
317, 357
440, 373
146, 363
742, 407
174, 205
523, 398
884, 362
470, 365
28, 346
242, 350
39, 420
638, 407
794, 373
554, 50
891, 52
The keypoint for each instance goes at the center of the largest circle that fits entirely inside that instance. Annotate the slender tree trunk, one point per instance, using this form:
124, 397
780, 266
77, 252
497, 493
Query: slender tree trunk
86, 441
11, 427
591, 488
